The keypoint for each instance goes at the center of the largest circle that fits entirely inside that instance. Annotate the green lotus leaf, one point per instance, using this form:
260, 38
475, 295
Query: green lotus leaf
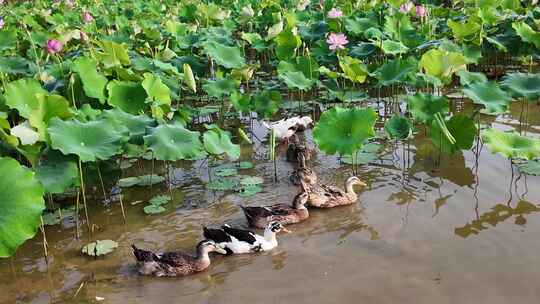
251, 190
362, 158
58, 172
511, 145
154, 209
14, 66
489, 95
142, 181
8, 39
359, 25
223, 172
174, 142
465, 31
21, 205
462, 129
395, 71
189, 78
523, 85
241, 102
526, 33
245, 165
91, 141
219, 87
22, 96
135, 125
251, 181
113, 54
127, 96
393, 47
344, 130
398, 127
442, 64
222, 184
226, 56
296, 80
49, 106
99, 247
423, 107
353, 69
531, 167
93, 82
159, 200
218, 142
267, 103
286, 44
467, 78
156, 89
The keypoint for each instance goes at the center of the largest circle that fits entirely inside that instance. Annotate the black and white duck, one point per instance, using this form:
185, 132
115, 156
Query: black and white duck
174, 264
238, 241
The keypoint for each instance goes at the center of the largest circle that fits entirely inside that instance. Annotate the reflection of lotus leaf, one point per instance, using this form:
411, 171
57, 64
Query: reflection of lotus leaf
226, 172
174, 142
511, 145
21, 205
154, 209
250, 190
90, 141
100, 247
343, 130
489, 95
245, 165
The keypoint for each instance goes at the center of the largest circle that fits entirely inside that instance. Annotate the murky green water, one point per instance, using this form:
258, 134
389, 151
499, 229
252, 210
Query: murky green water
428, 229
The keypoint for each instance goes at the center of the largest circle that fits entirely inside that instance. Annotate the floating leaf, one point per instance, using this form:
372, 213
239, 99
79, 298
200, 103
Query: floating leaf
250, 190
423, 107
251, 180
93, 83
398, 127
143, 180
531, 167
344, 130
227, 56
174, 142
222, 184
21, 205
159, 200
154, 209
489, 95
511, 145
54, 218
100, 247
226, 172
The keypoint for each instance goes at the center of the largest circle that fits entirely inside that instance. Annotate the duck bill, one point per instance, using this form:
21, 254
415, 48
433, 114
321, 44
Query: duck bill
286, 230
221, 250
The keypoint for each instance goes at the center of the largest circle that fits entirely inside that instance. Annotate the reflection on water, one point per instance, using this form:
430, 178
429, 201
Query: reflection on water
399, 242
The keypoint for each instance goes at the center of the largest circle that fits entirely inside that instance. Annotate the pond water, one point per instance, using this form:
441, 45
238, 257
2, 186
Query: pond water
427, 229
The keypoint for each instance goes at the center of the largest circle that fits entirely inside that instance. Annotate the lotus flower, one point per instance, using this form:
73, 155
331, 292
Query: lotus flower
2, 22
87, 17
335, 13
406, 7
53, 46
337, 41
420, 11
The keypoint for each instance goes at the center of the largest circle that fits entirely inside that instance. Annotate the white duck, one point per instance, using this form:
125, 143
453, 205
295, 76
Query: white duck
286, 128
237, 241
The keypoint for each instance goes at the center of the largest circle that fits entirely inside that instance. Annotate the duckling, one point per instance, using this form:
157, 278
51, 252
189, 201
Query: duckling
238, 241
173, 264
259, 217
302, 174
324, 196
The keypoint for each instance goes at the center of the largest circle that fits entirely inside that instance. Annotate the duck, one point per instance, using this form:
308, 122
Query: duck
239, 241
303, 175
296, 149
323, 196
286, 128
259, 217
175, 264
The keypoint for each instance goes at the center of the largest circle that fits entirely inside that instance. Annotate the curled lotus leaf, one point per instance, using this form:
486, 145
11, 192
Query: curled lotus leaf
489, 95
525, 85
511, 144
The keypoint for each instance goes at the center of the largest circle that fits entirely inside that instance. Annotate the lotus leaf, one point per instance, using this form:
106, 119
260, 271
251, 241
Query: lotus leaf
113, 54
58, 172
489, 95
218, 142
250, 190
222, 184
127, 96
523, 85
296, 80
393, 47
22, 96
174, 142
511, 145
154, 209
465, 31
21, 205
99, 247
395, 71
159, 200
286, 44
398, 127
467, 78
223, 172
526, 33
91, 141
226, 56
156, 89
531, 167
245, 165
251, 181
344, 130
143, 180
49, 106
423, 107
462, 129
135, 125
14, 65
25, 133
219, 87
93, 83
442, 64
241, 102
267, 103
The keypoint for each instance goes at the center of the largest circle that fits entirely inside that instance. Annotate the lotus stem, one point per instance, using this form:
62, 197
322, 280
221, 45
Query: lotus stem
77, 214
45, 244
84, 196
101, 181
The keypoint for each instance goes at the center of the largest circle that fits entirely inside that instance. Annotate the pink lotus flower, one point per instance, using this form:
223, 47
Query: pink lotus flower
337, 41
420, 11
87, 17
335, 13
53, 46
406, 7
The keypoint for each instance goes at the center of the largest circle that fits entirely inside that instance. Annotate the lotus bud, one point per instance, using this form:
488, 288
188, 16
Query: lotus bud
53, 46
335, 13
87, 17
420, 11
248, 12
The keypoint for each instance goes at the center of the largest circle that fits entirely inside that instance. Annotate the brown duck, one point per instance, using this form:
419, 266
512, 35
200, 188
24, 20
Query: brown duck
302, 174
295, 149
259, 217
175, 264
324, 196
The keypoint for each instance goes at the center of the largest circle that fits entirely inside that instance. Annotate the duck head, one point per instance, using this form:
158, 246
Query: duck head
276, 227
301, 199
207, 246
351, 181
